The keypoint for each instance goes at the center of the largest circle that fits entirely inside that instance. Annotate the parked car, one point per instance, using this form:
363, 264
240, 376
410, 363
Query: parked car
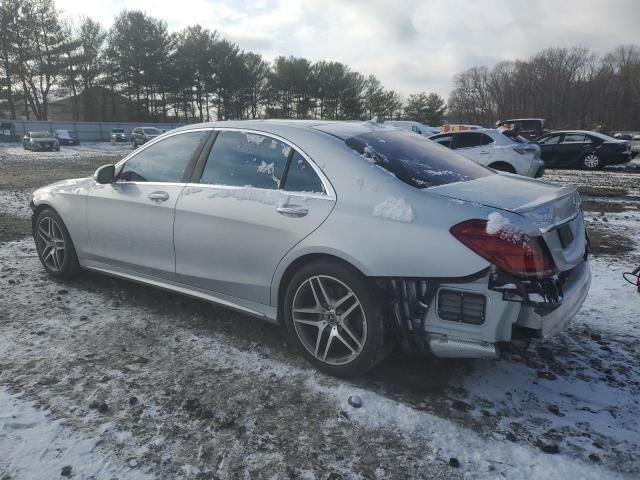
118, 135
66, 137
498, 150
40, 140
448, 128
415, 127
583, 149
350, 235
141, 135
529, 128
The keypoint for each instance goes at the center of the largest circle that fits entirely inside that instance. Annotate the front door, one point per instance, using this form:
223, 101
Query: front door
234, 227
130, 222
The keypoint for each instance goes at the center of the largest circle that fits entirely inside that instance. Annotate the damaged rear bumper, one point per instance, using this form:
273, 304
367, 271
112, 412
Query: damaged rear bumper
470, 317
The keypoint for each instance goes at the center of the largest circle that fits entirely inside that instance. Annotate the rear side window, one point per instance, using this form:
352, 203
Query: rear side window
301, 177
415, 160
164, 161
246, 159
575, 138
469, 139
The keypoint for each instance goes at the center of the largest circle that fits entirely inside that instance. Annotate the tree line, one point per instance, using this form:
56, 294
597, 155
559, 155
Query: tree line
191, 75
569, 87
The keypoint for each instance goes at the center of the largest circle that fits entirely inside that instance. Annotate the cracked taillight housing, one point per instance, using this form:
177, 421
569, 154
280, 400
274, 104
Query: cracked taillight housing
511, 250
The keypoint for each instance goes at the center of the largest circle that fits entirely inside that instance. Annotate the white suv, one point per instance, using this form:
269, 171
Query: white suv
498, 150
415, 127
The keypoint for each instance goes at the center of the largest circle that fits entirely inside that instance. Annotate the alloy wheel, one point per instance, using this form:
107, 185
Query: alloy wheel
51, 244
329, 320
591, 161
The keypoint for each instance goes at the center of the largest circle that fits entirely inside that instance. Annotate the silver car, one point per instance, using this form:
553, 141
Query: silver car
352, 236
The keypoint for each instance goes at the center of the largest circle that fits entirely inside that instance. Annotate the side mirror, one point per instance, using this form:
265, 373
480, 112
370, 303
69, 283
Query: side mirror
105, 174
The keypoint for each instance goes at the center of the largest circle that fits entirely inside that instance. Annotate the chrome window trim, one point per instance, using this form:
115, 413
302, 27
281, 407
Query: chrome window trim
319, 196
331, 194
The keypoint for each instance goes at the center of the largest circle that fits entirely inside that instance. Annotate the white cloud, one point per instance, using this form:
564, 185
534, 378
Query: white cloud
410, 45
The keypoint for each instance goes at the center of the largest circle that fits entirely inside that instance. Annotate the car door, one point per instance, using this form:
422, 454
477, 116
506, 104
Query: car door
256, 198
549, 151
474, 146
572, 148
130, 222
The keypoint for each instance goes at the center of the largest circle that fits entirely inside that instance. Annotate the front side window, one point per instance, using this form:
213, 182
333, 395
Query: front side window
414, 159
552, 140
468, 140
246, 159
301, 177
164, 161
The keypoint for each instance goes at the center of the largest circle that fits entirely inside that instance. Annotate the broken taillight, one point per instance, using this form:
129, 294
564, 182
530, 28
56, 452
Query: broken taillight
510, 250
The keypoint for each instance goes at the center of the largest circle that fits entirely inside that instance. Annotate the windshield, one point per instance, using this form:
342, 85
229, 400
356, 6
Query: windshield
117, 130
41, 135
415, 160
152, 131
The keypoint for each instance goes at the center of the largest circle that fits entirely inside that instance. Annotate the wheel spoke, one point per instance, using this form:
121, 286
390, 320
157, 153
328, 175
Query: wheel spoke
350, 333
326, 348
339, 337
326, 298
313, 323
342, 300
350, 310
315, 294
42, 233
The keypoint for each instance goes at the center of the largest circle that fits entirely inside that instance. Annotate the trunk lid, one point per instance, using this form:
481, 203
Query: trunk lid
553, 209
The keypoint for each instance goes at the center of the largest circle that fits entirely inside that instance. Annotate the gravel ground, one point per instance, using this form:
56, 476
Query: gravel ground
102, 378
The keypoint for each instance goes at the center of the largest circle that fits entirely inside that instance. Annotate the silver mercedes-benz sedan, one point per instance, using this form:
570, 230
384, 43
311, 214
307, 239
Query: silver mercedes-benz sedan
354, 237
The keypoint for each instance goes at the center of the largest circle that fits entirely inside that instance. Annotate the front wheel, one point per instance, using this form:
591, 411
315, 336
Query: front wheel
53, 243
133, 144
591, 161
332, 316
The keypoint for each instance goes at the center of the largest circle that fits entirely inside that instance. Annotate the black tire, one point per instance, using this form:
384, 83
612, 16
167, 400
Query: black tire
134, 145
591, 161
66, 258
377, 341
503, 167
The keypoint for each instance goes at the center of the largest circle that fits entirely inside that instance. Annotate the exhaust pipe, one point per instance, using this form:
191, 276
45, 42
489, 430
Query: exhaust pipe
454, 348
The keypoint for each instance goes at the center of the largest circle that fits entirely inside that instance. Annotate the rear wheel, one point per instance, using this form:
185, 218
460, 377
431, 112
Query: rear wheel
53, 243
503, 167
333, 318
591, 161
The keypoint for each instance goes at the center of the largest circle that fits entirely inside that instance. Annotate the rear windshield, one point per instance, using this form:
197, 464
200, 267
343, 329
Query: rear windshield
415, 160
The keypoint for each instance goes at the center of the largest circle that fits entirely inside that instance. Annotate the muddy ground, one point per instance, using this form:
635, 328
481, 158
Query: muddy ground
171, 387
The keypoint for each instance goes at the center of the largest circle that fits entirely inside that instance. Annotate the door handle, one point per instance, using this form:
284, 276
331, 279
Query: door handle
159, 196
293, 211
484, 153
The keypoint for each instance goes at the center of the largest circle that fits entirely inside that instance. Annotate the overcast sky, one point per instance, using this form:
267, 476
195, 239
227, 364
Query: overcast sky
410, 45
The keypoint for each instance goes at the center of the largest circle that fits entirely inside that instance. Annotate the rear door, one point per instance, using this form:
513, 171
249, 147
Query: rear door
475, 146
572, 148
256, 197
130, 221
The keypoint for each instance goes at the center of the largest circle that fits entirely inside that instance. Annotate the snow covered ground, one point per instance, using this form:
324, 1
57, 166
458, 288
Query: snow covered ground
118, 380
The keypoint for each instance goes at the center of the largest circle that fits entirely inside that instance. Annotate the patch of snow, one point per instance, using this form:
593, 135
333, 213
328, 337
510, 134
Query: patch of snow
254, 138
396, 209
497, 223
267, 197
36, 446
267, 168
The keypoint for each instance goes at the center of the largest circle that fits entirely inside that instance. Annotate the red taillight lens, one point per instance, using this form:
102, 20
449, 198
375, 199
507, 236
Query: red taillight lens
512, 251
